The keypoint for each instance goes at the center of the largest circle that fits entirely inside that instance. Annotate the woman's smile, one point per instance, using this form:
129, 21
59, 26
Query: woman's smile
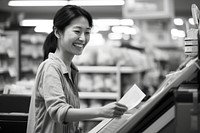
79, 45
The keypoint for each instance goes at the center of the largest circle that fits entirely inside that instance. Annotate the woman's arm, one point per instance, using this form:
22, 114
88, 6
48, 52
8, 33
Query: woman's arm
108, 111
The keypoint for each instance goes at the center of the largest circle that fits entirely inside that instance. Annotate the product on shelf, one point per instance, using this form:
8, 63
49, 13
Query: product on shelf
99, 85
85, 83
95, 103
127, 81
9, 60
105, 56
191, 43
6, 43
33, 38
20, 87
97, 82
31, 50
111, 56
151, 81
31, 53
88, 57
84, 103
110, 83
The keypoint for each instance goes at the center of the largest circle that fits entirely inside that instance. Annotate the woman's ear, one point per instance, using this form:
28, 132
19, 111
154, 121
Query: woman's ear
56, 33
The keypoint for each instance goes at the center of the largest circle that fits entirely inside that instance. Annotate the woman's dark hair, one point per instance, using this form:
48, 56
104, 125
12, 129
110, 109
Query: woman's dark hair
63, 18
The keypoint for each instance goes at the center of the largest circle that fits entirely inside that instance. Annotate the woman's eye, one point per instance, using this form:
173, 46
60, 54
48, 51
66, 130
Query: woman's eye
87, 33
76, 31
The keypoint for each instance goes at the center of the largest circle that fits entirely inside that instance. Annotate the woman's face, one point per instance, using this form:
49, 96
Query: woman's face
75, 36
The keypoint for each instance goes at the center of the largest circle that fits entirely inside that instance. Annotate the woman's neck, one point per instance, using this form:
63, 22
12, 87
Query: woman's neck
66, 58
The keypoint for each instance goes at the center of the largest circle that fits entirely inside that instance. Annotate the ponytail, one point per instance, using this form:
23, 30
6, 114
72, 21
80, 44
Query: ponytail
50, 45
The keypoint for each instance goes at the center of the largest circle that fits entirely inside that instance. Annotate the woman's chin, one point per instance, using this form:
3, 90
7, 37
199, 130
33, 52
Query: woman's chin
79, 53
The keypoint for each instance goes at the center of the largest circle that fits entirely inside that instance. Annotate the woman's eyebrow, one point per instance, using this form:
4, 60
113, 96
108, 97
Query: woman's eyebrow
88, 28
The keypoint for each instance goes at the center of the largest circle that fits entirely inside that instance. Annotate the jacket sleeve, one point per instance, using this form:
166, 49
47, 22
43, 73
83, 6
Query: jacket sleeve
53, 94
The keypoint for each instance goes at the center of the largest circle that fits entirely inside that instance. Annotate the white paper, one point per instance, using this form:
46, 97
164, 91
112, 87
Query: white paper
133, 97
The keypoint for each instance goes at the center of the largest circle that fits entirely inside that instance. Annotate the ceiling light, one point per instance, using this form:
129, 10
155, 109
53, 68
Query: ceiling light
36, 22
177, 33
44, 29
124, 30
36, 3
191, 21
101, 24
115, 36
97, 2
127, 22
178, 21
64, 2
107, 22
97, 22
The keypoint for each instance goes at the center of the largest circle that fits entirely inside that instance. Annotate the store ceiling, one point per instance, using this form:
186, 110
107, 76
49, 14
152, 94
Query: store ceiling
182, 8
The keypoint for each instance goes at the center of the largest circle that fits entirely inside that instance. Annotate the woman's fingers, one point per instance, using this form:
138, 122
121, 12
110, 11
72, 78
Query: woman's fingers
113, 110
118, 113
119, 110
121, 107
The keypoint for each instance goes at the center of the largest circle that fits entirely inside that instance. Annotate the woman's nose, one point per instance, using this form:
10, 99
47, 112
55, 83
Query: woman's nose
82, 37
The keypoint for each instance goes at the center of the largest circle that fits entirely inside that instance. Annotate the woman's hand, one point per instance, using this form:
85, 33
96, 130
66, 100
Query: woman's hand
112, 110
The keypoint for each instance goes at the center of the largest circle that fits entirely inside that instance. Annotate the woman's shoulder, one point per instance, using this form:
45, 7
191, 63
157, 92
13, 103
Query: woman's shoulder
50, 63
45, 65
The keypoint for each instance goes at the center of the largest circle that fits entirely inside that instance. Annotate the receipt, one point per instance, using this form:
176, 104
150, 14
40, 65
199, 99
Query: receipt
132, 97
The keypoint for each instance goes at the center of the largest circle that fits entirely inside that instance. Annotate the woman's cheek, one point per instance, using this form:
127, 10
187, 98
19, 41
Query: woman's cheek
88, 39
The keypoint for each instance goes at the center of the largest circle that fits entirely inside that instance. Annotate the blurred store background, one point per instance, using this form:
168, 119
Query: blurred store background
132, 42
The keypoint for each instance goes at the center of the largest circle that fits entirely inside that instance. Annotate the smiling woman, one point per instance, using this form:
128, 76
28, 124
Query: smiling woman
55, 106
67, 25
74, 38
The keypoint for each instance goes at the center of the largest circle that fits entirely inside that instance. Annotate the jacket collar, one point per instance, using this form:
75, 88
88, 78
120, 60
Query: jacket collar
62, 65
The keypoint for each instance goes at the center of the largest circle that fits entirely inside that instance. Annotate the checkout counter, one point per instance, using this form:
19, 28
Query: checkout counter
14, 113
162, 112
174, 107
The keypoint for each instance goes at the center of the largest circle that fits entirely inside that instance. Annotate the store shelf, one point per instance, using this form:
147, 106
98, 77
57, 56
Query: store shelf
3, 52
126, 69
98, 95
108, 69
9, 58
2, 70
145, 9
31, 53
117, 70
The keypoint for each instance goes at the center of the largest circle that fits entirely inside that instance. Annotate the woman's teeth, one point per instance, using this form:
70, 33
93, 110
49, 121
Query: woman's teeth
79, 45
